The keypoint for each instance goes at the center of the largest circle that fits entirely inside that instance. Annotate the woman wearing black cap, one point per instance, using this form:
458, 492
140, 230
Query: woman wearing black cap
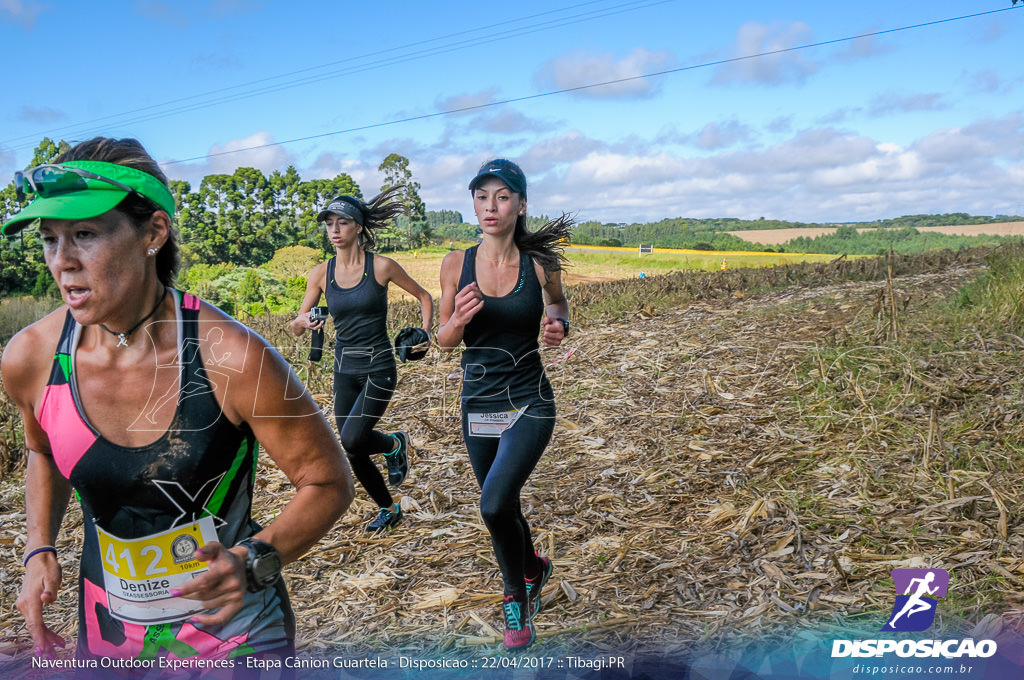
355, 283
497, 297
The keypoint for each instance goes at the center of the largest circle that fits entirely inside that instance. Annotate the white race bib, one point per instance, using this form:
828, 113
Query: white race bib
492, 424
139, 573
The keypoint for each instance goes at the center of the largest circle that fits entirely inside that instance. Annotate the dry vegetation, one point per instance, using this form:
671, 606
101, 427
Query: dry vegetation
728, 464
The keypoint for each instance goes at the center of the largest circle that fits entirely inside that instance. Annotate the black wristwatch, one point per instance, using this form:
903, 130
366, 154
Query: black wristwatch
262, 564
565, 327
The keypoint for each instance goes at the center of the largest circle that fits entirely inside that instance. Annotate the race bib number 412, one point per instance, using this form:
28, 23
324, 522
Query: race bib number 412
139, 573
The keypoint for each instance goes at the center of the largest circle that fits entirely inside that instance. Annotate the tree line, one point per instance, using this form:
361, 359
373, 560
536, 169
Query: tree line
711, 234
240, 219
248, 239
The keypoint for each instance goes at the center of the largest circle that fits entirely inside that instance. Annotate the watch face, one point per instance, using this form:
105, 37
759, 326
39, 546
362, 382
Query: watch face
266, 568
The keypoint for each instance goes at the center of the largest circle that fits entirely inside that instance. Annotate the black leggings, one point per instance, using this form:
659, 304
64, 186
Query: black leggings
502, 466
359, 403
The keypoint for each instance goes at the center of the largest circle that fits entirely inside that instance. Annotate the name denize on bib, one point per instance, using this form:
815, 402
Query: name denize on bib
139, 574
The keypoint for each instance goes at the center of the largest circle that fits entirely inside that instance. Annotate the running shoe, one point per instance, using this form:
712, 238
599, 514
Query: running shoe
534, 586
386, 519
519, 630
398, 460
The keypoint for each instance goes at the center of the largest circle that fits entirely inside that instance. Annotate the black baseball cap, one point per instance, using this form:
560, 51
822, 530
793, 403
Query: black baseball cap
505, 170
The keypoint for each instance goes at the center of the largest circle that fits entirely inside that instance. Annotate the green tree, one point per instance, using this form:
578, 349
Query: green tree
47, 151
396, 172
22, 267
251, 289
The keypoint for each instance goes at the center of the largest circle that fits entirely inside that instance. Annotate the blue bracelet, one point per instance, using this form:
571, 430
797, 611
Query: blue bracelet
45, 548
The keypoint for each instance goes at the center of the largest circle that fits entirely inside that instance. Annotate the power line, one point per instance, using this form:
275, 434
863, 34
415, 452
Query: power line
616, 81
221, 98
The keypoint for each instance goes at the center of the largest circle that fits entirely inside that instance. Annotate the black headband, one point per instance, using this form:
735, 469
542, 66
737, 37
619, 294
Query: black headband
345, 208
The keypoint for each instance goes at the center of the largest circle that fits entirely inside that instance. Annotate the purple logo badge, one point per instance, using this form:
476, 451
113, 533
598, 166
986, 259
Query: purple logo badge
916, 593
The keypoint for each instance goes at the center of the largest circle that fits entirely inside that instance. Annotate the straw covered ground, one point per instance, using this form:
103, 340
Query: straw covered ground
741, 466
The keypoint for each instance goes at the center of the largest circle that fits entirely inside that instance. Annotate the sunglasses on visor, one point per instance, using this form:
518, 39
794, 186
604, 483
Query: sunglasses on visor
52, 179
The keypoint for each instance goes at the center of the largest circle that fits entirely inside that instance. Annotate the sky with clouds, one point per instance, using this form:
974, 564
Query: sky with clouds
617, 110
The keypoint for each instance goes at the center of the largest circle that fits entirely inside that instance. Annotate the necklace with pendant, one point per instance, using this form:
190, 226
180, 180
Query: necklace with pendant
122, 338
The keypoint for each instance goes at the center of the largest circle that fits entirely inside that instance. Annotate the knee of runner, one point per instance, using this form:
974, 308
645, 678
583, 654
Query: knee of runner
353, 442
494, 509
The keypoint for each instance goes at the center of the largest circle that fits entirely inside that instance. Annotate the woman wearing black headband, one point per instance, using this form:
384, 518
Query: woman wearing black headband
355, 285
497, 297
151, 406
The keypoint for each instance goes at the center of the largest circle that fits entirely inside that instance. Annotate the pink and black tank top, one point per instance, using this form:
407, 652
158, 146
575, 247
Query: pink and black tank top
202, 466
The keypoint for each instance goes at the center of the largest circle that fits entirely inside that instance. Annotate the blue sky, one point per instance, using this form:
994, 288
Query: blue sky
922, 120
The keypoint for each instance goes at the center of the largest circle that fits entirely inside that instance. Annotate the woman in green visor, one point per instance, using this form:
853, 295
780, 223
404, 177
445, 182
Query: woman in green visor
151, 406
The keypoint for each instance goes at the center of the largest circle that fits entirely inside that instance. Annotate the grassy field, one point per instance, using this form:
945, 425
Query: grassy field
588, 264
738, 463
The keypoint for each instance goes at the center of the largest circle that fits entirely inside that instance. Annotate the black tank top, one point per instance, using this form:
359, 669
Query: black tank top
360, 320
501, 365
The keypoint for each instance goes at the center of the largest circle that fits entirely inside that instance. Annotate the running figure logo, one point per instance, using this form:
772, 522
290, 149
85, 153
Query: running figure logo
915, 605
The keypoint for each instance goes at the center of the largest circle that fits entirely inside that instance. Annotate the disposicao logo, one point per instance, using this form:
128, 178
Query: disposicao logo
916, 590
914, 610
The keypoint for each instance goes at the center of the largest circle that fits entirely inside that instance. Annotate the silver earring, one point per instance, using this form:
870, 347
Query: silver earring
151, 251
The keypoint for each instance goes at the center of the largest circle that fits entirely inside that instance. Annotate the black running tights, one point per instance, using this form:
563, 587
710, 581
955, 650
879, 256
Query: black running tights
359, 403
502, 466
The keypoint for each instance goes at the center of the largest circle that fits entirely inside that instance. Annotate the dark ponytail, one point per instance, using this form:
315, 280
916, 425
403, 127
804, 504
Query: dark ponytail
377, 212
547, 244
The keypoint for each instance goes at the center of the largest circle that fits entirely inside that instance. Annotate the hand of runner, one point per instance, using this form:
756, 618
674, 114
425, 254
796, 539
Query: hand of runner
468, 302
222, 587
42, 582
553, 332
302, 323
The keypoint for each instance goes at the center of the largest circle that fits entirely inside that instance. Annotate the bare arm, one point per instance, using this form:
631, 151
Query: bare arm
314, 289
458, 307
394, 272
46, 490
266, 394
556, 307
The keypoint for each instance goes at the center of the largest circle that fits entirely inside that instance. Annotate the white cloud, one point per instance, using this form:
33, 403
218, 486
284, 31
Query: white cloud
905, 103
468, 100
986, 141
20, 11
862, 48
580, 69
329, 165
817, 175
781, 124
568, 147
987, 81
719, 135
255, 151
781, 67
508, 121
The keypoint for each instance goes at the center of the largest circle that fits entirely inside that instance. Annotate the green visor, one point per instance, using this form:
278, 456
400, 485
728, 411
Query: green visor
63, 194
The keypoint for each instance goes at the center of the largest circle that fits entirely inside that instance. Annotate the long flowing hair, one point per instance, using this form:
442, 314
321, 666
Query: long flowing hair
377, 212
547, 244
